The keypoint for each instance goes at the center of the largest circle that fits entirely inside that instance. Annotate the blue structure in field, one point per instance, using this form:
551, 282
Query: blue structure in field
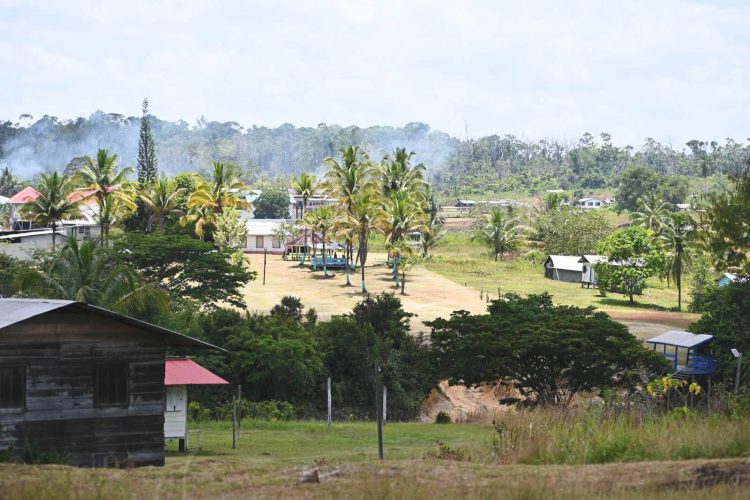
684, 350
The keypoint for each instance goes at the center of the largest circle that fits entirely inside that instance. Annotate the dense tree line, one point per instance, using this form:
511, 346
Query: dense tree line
507, 163
491, 163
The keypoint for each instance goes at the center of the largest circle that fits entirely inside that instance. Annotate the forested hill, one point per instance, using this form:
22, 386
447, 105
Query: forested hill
492, 163
49, 143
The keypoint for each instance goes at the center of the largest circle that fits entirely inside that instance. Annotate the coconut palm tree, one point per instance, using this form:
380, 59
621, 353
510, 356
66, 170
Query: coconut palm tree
86, 272
321, 220
500, 230
161, 197
433, 230
401, 213
53, 205
344, 181
304, 186
678, 236
365, 217
212, 196
403, 255
398, 174
652, 212
109, 186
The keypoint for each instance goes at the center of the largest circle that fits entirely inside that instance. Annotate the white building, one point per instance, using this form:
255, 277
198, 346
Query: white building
260, 236
23, 244
589, 203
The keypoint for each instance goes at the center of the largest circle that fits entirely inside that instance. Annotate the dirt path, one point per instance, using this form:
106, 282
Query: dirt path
428, 295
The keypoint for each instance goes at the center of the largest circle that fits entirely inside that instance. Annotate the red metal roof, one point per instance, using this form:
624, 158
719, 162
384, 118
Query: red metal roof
188, 372
25, 195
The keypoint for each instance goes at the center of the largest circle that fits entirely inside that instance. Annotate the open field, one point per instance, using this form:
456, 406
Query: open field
428, 295
271, 456
456, 276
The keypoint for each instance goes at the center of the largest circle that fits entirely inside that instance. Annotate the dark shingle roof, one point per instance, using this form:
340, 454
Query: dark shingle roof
14, 311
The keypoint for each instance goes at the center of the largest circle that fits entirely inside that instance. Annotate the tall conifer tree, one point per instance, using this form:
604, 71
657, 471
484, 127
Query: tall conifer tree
147, 167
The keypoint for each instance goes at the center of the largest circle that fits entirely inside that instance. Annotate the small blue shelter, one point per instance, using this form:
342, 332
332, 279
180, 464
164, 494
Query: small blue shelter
684, 350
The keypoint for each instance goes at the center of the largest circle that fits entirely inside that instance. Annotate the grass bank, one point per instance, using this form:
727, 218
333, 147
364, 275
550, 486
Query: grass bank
422, 461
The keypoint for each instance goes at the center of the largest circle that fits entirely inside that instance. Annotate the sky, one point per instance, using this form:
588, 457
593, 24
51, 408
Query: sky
668, 69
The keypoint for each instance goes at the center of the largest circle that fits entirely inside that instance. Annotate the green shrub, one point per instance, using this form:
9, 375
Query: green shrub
442, 418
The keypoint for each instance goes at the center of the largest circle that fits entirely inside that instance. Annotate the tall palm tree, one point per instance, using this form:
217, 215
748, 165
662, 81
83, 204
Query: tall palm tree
652, 212
678, 235
212, 196
86, 272
433, 230
365, 217
401, 213
344, 181
53, 205
500, 230
321, 220
398, 174
402, 254
109, 186
304, 186
161, 198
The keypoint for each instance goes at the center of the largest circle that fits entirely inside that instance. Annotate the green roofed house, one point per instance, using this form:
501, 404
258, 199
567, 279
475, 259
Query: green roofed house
83, 384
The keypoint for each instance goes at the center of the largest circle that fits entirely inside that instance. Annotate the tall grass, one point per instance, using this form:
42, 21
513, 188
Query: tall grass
593, 437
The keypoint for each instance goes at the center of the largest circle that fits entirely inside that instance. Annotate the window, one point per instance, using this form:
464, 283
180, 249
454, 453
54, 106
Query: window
259, 243
276, 243
111, 385
12, 387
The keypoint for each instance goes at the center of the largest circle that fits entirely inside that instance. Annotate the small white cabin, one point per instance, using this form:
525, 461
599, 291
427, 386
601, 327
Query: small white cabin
178, 374
260, 236
589, 203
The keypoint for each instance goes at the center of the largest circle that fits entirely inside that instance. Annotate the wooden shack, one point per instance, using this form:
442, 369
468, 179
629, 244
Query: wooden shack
563, 268
81, 384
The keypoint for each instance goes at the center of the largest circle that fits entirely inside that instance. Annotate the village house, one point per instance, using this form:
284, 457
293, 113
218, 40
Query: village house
563, 268
589, 203
82, 384
261, 238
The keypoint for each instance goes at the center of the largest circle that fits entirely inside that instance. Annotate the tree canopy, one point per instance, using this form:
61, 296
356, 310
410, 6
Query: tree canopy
186, 267
549, 353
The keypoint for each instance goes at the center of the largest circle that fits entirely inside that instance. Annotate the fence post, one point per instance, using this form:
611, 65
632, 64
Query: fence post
379, 412
330, 416
385, 404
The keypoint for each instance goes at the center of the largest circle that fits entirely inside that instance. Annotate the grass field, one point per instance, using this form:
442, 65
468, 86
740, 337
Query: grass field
270, 457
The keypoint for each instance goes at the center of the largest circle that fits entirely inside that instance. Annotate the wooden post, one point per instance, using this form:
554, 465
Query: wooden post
378, 412
239, 410
234, 423
330, 416
737, 376
385, 404
265, 254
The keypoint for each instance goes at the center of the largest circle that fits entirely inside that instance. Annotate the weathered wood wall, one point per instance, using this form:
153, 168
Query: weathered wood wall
60, 350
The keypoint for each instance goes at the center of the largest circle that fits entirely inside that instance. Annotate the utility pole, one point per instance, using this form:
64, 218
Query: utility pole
737, 354
265, 256
379, 412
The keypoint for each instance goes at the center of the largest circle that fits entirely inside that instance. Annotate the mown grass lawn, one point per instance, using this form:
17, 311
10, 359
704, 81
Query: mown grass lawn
299, 443
468, 264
